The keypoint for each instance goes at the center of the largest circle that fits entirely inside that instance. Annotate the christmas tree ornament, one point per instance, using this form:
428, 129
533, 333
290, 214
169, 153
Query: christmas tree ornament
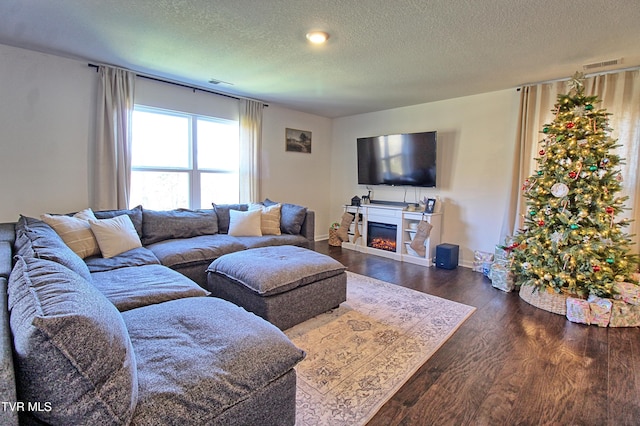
610, 260
596, 268
541, 222
588, 107
539, 172
541, 152
574, 226
559, 138
570, 125
573, 175
582, 142
559, 190
593, 168
545, 130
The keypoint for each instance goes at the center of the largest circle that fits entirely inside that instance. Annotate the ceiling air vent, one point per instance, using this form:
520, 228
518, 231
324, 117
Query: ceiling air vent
602, 64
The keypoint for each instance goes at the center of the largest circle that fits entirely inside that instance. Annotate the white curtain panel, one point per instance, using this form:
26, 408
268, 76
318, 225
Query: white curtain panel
620, 96
112, 150
250, 147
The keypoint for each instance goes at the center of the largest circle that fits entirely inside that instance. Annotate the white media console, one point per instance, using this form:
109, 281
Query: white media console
387, 230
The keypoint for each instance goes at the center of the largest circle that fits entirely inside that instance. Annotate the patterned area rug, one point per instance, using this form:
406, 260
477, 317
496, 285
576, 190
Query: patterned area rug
361, 353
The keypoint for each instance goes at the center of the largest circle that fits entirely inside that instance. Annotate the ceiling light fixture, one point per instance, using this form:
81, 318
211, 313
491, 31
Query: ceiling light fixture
317, 37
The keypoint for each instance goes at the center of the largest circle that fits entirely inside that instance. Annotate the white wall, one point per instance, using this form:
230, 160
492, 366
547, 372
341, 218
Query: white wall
46, 109
47, 114
476, 135
296, 177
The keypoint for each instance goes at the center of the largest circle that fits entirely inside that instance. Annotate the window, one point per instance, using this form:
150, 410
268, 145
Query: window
183, 160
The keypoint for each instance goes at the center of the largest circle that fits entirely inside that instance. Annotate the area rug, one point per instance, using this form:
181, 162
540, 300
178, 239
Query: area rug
360, 354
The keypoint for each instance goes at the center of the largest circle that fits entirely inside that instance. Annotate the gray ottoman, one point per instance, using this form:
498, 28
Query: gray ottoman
285, 285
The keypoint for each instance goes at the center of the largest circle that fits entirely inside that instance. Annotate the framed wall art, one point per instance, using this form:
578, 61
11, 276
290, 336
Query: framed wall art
298, 140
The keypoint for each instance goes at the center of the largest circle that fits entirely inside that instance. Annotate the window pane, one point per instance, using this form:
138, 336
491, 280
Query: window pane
159, 190
218, 147
160, 140
219, 188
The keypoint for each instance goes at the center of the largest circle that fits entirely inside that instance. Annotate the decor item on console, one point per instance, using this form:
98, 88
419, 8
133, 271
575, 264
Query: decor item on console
86, 319
572, 245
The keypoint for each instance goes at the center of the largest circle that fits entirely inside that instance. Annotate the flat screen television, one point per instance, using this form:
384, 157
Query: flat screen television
407, 159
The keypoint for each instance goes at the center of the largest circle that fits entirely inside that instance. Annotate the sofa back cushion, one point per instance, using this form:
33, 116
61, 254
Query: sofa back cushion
291, 217
222, 212
34, 238
72, 348
180, 223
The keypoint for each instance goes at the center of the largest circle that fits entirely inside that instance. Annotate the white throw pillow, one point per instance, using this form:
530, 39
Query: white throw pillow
245, 224
115, 235
75, 231
270, 219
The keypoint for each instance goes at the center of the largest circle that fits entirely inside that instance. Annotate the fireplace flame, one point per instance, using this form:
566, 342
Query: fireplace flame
383, 244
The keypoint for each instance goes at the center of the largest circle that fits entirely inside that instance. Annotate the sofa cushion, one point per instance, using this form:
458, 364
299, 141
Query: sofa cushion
194, 251
222, 212
5, 259
273, 270
75, 231
180, 223
274, 240
291, 217
37, 239
135, 214
72, 348
115, 235
245, 224
8, 232
137, 257
219, 355
129, 288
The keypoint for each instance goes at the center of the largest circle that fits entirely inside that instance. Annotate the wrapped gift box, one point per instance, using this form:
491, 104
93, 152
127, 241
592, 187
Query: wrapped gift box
480, 258
627, 292
624, 315
600, 310
578, 310
501, 277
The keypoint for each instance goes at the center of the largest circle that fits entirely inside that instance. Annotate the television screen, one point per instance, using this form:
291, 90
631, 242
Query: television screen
407, 159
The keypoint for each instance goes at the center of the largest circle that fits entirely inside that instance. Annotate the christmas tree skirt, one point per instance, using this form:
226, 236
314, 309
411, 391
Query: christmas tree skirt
552, 302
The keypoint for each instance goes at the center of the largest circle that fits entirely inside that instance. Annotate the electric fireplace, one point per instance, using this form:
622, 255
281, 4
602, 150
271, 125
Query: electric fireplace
382, 236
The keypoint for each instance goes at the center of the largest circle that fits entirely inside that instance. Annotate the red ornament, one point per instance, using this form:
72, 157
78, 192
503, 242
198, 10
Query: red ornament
570, 125
541, 223
596, 268
541, 152
609, 210
573, 175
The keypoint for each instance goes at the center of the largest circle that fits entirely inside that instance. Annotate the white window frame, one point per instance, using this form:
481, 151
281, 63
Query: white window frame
193, 171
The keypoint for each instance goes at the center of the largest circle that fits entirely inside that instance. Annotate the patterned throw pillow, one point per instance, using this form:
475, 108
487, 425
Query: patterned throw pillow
75, 231
270, 218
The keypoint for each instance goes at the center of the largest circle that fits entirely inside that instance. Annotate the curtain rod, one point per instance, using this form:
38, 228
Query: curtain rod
585, 76
175, 83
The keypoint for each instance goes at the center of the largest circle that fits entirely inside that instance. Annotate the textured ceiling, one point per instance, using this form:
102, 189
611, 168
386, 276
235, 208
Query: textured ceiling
381, 54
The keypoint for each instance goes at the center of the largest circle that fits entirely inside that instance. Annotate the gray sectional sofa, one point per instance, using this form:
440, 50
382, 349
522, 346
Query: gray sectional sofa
133, 339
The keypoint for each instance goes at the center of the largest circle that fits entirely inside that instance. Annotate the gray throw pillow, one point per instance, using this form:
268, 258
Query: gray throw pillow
72, 348
180, 223
222, 211
292, 217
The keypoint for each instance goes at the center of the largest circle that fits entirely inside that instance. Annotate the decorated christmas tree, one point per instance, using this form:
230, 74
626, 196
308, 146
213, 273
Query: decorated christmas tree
573, 240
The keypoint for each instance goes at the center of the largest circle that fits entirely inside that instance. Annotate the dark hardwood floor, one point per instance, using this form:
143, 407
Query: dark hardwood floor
510, 363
